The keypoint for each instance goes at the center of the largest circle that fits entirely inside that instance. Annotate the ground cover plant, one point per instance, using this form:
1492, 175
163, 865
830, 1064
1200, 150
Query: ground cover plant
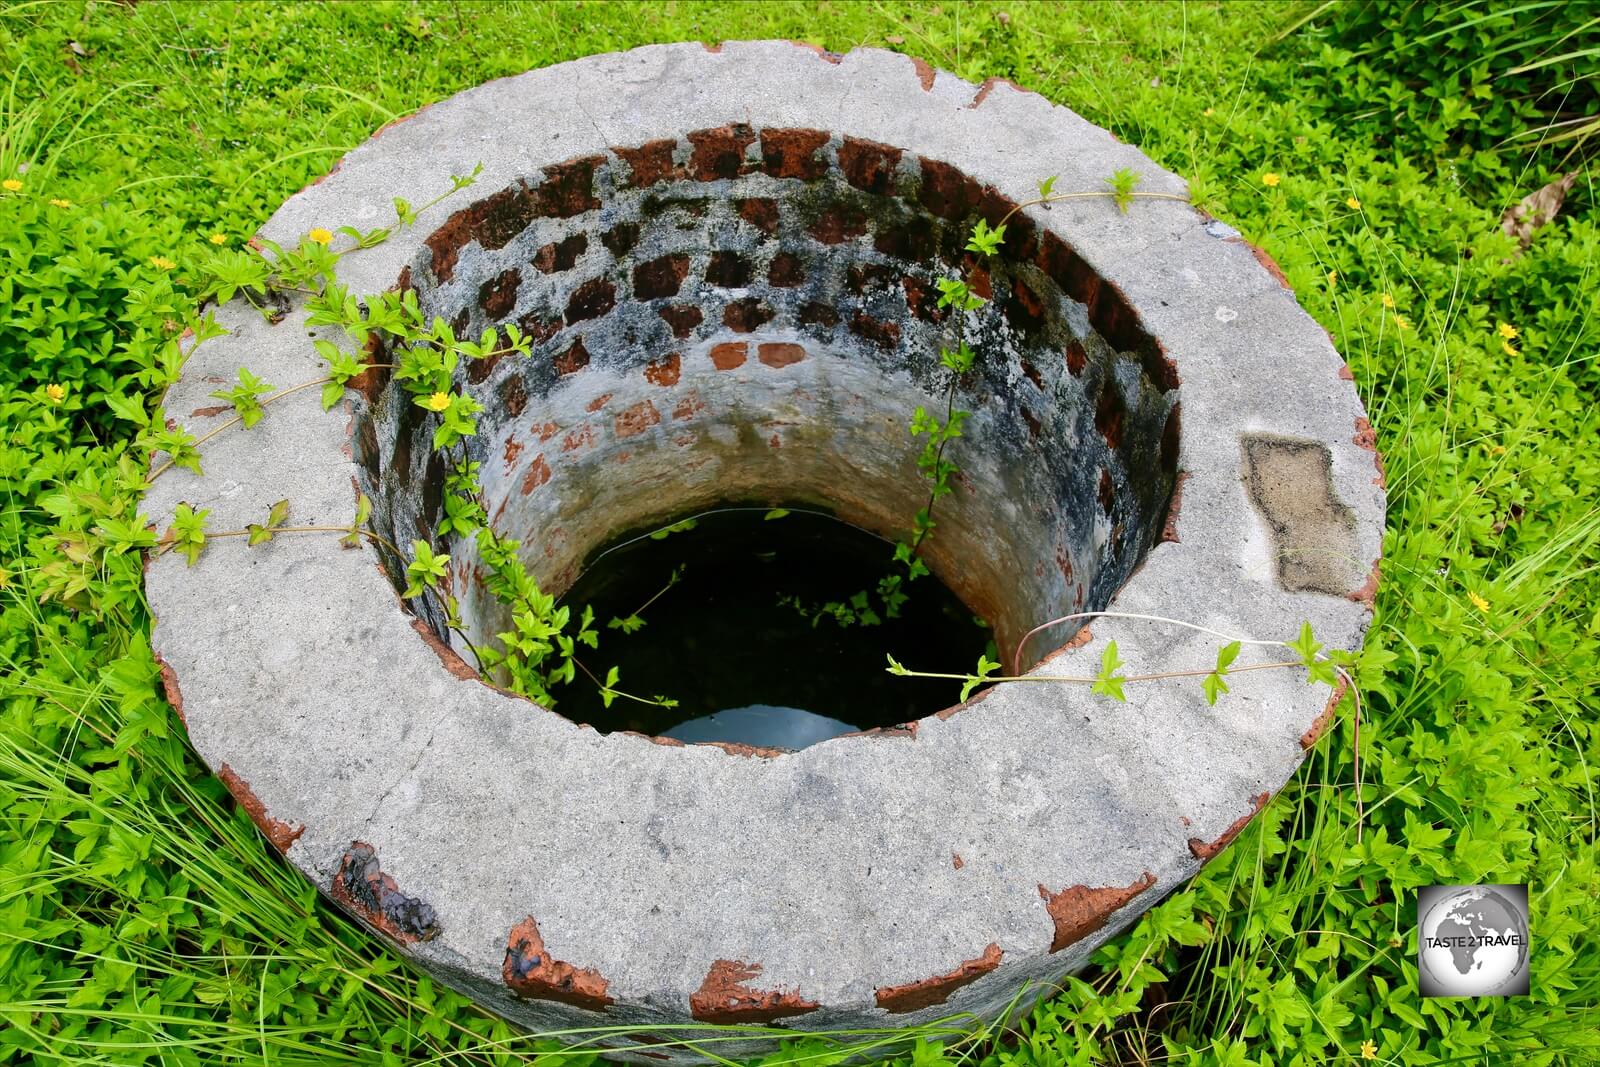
142, 917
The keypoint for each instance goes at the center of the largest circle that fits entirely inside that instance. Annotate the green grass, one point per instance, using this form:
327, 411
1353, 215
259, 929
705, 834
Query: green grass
143, 919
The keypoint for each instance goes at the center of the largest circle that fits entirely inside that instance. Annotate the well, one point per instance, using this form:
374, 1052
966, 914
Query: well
727, 259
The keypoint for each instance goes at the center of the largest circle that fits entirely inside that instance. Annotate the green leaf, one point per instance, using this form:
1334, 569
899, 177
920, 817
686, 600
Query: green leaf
188, 533
1122, 185
776, 513
425, 570
1109, 683
363, 513
1307, 647
1213, 684
986, 667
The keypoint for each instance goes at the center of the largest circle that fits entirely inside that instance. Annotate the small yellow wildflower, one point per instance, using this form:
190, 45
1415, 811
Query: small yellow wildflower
163, 262
1388, 301
219, 238
11, 185
58, 202
5, 578
1478, 602
437, 402
320, 235
1333, 276
1369, 1051
1506, 330
1498, 450
56, 393
1353, 204
1509, 349
1270, 180
1209, 111
1401, 323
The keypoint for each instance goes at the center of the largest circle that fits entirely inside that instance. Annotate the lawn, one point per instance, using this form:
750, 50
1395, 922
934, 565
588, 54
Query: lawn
1371, 150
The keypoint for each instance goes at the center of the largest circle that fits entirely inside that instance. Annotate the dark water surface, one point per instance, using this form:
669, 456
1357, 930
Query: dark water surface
726, 640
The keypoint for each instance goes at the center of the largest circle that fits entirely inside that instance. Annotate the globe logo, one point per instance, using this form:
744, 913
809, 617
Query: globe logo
1472, 940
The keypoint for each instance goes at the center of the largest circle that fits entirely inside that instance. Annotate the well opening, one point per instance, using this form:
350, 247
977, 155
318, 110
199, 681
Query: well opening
750, 315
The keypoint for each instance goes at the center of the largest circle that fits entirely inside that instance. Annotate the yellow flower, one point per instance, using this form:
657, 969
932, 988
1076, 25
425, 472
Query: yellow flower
1209, 111
11, 185
1270, 179
1401, 323
1482, 605
5, 578
320, 236
1498, 450
437, 402
1506, 330
163, 262
1369, 1051
1509, 349
1388, 301
1333, 276
56, 393
219, 238
57, 202
1353, 204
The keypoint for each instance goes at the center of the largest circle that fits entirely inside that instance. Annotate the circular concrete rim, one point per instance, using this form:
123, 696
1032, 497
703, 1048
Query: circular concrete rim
876, 882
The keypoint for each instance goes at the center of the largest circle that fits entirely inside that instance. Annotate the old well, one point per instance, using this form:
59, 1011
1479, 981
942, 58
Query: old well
727, 259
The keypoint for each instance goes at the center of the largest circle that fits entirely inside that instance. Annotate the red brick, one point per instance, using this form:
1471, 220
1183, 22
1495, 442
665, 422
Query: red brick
729, 355
780, 354
794, 153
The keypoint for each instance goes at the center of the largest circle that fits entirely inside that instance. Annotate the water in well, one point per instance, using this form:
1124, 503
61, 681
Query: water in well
767, 628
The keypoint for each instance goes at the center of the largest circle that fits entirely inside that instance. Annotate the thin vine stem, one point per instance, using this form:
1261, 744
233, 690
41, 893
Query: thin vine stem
165, 546
959, 315
1090, 681
1016, 659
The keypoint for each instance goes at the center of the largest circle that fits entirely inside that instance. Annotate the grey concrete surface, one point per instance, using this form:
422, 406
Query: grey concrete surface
810, 888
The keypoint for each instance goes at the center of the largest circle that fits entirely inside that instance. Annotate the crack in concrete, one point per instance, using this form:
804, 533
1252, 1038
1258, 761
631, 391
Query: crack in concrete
377, 806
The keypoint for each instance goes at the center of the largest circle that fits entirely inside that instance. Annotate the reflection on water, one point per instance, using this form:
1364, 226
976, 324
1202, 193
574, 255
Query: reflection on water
762, 725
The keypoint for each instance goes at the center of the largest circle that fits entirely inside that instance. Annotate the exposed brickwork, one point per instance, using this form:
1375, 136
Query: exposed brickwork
869, 166
592, 299
744, 316
769, 234
1205, 850
368, 893
573, 360
650, 163
278, 832
728, 270
681, 318
498, 295
661, 277
780, 354
664, 372
729, 356
725, 997
1079, 911
759, 212
794, 153
720, 153
914, 996
636, 419
561, 255
786, 271
530, 971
